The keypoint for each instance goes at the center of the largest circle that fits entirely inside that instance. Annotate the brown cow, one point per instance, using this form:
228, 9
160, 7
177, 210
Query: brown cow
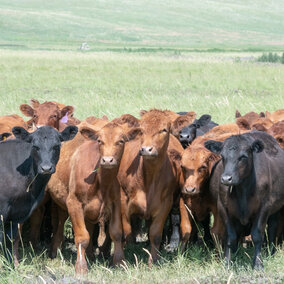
149, 176
7, 122
87, 186
276, 116
47, 113
178, 120
197, 164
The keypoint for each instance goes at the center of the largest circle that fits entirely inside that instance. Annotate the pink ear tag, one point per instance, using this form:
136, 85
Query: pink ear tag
64, 119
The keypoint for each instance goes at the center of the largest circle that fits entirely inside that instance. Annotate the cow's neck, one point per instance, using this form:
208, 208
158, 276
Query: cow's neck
107, 177
244, 192
152, 167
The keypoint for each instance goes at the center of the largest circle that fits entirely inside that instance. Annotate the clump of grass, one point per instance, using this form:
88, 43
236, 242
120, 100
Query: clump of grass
271, 57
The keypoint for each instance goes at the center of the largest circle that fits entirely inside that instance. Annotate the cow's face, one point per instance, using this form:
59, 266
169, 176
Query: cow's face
237, 157
46, 114
187, 135
155, 138
46, 143
111, 139
196, 163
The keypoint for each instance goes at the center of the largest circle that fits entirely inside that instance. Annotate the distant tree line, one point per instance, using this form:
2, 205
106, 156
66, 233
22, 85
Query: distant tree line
271, 57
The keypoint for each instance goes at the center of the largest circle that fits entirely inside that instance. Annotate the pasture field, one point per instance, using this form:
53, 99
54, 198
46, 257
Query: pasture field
148, 25
116, 83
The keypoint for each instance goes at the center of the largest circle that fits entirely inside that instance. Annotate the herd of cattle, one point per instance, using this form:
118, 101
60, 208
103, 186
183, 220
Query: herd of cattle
112, 174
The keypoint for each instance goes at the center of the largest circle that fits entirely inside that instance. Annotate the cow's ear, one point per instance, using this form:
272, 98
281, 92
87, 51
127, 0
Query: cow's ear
257, 146
27, 110
133, 133
22, 134
4, 136
65, 110
243, 123
104, 117
212, 159
34, 103
238, 114
214, 146
142, 112
68, 133
89, 133
204, 120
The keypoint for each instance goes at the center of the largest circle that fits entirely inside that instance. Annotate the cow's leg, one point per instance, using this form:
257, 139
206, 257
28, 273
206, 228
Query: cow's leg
127, 232
58, 236
206, 226
175, 223
90, 249
105, 245
273, 223
156, 229
257, 233
116, 233
185, 225
231, 241
35, 224
82, 236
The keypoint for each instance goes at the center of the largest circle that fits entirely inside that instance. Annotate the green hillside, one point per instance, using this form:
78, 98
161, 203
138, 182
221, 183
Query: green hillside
183, 24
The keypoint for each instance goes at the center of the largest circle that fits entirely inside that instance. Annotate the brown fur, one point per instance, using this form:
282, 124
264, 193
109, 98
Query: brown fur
87, 194
149, 183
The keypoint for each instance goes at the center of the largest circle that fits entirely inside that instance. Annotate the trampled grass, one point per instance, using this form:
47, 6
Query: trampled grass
113, 84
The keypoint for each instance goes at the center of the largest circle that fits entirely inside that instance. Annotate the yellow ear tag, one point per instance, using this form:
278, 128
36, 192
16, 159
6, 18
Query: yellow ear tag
5, 138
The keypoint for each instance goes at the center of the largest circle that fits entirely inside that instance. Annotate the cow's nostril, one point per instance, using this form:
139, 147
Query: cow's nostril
150, 149
103, 160
229, 178
111, 160
187, 136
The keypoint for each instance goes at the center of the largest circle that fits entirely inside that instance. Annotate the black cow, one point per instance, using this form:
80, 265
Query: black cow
197, 128
250, 181
26, 166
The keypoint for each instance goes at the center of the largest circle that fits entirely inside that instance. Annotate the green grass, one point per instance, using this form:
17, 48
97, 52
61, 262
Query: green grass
115, 25
113, 84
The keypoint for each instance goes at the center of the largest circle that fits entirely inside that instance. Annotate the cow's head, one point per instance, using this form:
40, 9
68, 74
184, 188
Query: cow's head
156, 129
111, 139
237, 157
188, 133
197, 163
46, 114
46, 143
277, 131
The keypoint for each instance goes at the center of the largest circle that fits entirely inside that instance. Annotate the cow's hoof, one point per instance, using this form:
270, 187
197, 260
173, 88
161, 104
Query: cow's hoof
81, 267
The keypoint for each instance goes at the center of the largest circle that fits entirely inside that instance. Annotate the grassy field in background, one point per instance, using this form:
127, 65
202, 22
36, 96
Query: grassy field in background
150, 25
115, 83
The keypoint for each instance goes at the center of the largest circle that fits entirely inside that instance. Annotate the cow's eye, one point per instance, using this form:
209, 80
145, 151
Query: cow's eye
100, 141
35, 115
243, 158
201, 169
164, 130
121, 141
36, 148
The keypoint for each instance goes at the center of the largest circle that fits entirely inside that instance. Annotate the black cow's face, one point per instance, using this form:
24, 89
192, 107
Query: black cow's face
46, 143
187, 135
237, 157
